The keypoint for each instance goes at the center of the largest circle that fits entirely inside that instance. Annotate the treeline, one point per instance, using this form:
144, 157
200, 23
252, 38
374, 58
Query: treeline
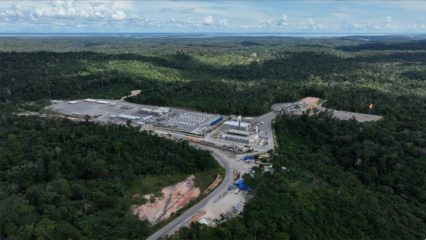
408, 45
216, 97
64, 180
345, 180
160, 45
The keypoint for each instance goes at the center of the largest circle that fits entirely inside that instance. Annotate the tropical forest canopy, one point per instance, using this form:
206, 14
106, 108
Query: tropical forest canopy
64, 180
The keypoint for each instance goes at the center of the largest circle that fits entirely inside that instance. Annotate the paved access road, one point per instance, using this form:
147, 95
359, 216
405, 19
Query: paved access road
267, 127
223, 160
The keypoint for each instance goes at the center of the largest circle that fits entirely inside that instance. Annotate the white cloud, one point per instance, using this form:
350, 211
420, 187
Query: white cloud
386, 24
389, 24
208, 20
66, 14
119, 15
283, 21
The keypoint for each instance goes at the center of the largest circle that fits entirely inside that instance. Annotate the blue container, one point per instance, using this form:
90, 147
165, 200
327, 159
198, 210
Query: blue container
216, 121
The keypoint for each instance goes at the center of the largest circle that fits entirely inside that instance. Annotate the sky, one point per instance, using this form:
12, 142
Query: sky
320, 16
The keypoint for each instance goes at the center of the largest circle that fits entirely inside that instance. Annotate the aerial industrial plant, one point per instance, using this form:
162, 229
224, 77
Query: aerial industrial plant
231, 132
246, 138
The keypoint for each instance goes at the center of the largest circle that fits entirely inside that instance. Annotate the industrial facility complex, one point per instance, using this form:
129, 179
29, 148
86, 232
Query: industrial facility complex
234, 133
230, 132
244, 139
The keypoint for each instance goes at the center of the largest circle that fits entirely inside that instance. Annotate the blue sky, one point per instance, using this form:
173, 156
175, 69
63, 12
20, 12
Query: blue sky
322, 16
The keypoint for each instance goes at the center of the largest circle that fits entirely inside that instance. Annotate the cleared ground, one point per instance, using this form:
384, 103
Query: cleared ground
172, 199
121, 112
359, 117
298, 109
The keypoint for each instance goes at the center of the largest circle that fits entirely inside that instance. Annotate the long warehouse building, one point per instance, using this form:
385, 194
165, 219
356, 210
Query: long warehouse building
241, 139
237, 125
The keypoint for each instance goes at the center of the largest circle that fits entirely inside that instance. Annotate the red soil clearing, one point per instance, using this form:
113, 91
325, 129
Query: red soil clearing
174, 198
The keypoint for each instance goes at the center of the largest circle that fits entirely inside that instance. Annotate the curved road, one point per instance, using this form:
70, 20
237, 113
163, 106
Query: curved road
223, 160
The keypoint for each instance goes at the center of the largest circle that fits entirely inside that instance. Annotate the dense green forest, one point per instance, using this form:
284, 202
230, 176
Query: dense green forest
220, 75
345, 180
412, 45
64, 180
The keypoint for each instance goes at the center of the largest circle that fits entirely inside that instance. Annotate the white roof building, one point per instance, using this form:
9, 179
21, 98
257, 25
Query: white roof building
241, 139
128, 117
235, 124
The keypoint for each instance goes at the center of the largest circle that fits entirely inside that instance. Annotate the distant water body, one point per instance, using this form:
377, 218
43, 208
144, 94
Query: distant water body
195, 35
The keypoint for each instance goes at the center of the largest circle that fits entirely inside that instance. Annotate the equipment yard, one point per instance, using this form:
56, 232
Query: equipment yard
227, 206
